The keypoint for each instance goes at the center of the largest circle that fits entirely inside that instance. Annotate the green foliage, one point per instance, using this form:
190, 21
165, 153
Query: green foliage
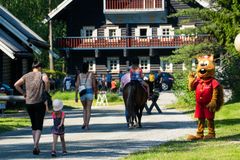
231, 76
114, 97
31, 13
221, 21
186, 53
55, 73
185, 97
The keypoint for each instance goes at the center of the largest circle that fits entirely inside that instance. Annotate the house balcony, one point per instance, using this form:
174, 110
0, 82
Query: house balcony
132, 6
129, 42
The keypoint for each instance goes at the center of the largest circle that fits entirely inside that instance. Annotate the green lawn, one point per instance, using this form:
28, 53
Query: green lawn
225, 147
68, 99
9, 124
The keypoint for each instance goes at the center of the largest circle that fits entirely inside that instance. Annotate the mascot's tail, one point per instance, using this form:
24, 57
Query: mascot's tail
220, 99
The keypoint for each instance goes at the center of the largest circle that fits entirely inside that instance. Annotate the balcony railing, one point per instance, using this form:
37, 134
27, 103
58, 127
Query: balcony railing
113, 6
129, 42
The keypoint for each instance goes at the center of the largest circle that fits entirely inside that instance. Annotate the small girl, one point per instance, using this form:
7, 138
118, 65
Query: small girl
58, 126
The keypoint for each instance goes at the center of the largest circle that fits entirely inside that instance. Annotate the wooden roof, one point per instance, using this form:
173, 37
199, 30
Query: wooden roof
57, 10
17, 37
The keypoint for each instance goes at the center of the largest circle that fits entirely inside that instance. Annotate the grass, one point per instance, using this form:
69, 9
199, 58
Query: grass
68, 99
9, 124
225, 147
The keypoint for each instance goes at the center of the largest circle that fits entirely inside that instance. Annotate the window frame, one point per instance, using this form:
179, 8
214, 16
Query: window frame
117, 32
89, 59
87, 28
113, 70
161, 28
146, 68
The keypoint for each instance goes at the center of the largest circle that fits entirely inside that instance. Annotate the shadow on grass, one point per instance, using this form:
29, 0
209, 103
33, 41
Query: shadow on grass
226, 122
185, 146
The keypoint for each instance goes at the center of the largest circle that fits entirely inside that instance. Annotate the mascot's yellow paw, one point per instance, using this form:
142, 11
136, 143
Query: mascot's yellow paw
193, 137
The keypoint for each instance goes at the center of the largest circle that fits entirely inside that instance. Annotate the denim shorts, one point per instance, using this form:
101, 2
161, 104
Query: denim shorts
88, 96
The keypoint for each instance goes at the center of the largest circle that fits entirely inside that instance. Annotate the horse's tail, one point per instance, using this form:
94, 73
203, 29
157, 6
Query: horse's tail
131, 99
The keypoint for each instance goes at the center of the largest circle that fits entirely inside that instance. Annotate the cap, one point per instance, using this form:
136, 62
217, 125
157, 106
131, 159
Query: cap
57, 105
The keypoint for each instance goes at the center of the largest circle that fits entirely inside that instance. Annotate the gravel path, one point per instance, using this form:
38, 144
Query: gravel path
108, 138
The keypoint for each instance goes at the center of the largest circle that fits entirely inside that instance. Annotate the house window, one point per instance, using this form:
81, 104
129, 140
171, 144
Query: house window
143, 33
166, 31
166, 66
144, 63
112, 33
88, 31
91, 62
113, 64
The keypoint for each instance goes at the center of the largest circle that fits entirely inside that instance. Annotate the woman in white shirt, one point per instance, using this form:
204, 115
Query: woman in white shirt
87, 81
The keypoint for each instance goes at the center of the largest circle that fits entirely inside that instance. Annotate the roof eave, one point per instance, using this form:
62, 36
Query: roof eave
40, 44
10, 16
56, 11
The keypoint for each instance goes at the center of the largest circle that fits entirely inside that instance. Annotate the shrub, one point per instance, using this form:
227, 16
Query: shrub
114, 97
185, 97
54, 73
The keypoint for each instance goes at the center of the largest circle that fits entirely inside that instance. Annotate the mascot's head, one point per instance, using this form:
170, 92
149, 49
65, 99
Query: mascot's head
206, 67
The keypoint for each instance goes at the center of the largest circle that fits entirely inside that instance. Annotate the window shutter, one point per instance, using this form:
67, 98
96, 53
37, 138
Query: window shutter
137, 32
82, 33
94, 34
149, 31
118, 32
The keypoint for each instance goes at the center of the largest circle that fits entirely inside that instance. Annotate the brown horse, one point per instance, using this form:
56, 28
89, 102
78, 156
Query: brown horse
135, 98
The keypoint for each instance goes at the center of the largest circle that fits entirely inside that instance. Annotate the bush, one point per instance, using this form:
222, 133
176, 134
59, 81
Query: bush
185, 97
55, 74
114, 97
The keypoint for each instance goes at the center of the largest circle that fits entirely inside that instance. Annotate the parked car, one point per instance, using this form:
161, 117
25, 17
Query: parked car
8, 89
167, 81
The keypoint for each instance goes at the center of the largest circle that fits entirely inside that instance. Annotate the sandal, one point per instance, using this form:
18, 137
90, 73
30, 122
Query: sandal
83, 126
53, 153
36, 151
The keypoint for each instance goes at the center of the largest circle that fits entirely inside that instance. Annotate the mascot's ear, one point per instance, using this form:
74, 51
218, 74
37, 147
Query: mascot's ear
199, 58
211, 57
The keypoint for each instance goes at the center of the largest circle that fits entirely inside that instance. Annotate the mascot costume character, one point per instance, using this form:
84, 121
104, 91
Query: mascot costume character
209, 96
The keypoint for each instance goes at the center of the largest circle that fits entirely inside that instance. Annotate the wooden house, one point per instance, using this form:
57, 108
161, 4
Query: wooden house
17, 45
108, 33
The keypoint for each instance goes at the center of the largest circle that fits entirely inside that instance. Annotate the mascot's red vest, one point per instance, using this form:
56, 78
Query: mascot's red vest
209, 96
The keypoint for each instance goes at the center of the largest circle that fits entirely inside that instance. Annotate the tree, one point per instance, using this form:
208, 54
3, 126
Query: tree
31, 13
221, 21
